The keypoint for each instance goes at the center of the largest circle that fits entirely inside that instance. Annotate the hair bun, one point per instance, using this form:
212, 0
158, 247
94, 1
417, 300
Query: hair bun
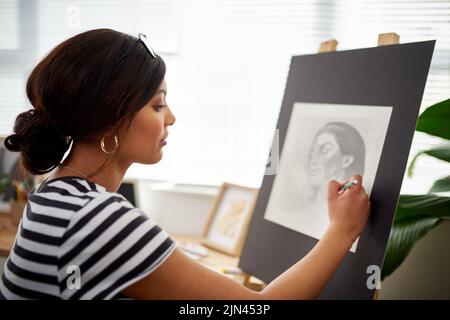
29, 119
42, 146
33, 115
13, 143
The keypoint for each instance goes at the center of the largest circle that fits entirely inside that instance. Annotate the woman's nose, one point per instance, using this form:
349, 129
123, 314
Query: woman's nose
170, 120
313, 159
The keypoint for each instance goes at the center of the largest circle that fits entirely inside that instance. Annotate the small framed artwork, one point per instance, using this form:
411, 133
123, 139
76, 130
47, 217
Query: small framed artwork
228, 220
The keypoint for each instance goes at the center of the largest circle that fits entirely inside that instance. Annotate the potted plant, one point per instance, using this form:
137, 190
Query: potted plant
4, 182
417, 215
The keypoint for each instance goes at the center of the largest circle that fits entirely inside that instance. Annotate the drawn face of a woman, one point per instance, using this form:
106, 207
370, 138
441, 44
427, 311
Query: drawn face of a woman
326, 160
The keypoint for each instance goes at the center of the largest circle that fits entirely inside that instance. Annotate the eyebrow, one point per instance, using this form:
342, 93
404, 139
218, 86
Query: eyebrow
161, 91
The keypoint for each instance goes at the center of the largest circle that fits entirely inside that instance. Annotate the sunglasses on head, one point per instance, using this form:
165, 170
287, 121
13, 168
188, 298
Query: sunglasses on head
142, 38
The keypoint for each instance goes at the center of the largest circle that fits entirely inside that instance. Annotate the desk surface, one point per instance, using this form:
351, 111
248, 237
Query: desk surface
214, 259
7, 234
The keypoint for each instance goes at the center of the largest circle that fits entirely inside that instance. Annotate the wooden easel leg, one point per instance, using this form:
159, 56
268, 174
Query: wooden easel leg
385, 39
328, 46
246, 279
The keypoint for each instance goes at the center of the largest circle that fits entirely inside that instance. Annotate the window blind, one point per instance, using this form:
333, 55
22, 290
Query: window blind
227, 63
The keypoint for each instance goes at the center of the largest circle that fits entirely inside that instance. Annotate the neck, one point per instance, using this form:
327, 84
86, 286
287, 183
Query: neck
88, 159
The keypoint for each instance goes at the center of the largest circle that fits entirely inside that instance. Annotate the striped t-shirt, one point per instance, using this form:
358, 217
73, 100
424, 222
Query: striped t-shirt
76, 240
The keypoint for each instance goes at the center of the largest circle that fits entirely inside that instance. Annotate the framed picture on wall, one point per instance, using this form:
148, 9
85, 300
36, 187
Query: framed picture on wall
228, 220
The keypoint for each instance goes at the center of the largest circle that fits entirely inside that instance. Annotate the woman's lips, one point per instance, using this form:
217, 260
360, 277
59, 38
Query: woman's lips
163, 141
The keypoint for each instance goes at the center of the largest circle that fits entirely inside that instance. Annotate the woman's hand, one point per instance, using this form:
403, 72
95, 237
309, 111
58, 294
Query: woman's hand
348, 211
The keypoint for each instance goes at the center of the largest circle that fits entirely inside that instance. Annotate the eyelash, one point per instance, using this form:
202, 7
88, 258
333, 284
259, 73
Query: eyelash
159, 107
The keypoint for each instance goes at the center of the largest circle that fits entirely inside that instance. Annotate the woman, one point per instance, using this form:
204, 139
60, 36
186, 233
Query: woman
104, 92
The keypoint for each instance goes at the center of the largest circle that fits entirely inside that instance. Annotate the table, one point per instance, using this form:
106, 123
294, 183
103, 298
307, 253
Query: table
7, 234
218, 261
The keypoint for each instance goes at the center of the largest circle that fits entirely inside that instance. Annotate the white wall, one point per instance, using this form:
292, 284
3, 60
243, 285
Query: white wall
178, 209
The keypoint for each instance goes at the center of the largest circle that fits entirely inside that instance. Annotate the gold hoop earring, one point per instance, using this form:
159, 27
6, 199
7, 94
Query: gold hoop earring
102, 145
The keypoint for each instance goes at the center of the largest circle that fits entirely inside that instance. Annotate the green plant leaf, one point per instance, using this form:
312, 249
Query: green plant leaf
416, 215
441, 185
414, 207
435, 120
441, 153
4, 182
402, 239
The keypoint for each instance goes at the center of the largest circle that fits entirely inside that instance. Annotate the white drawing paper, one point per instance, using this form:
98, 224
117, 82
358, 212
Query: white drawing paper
324, 142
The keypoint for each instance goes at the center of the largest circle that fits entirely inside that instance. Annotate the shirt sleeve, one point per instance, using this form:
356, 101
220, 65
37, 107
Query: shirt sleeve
111, 245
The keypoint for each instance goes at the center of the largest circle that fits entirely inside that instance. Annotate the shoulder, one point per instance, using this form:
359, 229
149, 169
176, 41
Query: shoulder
89, 211
102, 210
112, 243
73, 190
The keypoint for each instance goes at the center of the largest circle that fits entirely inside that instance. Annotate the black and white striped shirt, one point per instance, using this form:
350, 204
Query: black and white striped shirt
76, 240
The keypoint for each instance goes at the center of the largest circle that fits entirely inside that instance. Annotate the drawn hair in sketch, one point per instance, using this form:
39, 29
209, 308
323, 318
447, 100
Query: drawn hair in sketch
337, 152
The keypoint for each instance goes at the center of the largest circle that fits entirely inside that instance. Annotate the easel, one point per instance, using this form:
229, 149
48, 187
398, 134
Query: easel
384, 39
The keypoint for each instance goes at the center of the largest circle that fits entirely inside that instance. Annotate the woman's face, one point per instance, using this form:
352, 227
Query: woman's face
148, 132
326, 160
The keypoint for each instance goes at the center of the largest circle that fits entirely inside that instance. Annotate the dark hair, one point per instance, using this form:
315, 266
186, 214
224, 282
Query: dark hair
350, 142
92, 83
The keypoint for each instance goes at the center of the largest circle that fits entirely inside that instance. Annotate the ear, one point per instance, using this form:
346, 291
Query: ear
347, 160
